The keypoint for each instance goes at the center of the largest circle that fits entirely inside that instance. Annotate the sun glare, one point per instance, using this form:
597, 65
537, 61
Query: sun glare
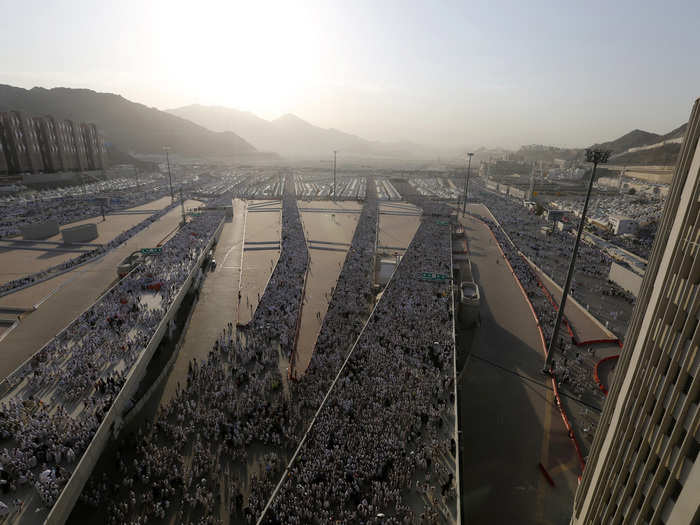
254, 56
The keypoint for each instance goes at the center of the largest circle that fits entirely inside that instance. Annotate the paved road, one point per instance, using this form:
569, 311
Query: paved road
263, 224
509, 421
217, 304
325, 263
72, 296
16, 262
398, 223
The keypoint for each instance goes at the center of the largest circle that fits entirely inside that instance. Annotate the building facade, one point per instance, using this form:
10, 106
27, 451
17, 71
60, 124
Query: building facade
21, 143
66, 144
81, 162
3, 158
643, 465
622, 225
95, 147
36, 144
48, 142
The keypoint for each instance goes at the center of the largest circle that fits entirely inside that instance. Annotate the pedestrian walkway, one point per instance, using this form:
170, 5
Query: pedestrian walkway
331, 233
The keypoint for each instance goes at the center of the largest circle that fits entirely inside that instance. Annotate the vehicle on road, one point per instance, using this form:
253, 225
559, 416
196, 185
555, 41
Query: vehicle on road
469, 298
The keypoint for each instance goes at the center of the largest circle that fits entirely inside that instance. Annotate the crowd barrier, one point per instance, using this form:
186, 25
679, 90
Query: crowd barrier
112, 422
457, 421
595, 372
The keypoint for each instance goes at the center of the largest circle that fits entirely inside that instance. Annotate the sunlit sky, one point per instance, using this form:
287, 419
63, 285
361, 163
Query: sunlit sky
470, 74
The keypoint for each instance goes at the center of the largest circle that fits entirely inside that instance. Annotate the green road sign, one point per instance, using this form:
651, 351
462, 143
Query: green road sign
151, 251
430, 276
443, 223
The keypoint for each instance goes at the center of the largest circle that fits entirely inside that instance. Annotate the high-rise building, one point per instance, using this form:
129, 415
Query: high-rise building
30, 145
21, 143
48, 142
3, 158
66, 143
81, 162
95, 146
643, 465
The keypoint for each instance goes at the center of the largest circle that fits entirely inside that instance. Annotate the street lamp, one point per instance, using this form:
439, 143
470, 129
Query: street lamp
596, 157
466, 182
335, 152
170, 178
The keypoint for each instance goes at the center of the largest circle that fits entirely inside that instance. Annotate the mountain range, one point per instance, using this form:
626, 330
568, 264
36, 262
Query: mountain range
291, 136
219, 133
128, 126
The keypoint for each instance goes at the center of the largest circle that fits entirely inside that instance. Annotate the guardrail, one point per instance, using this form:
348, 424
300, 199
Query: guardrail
113, 419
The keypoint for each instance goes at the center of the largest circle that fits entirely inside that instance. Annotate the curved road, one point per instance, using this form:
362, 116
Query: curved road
508, 417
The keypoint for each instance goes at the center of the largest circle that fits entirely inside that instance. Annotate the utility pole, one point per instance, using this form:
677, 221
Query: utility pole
170, 177
466, 182
182, 206
596, 157
335, 152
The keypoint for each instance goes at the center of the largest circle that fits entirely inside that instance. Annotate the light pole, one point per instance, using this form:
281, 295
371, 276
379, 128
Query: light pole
182, 206
335, 152
466, 182
596, 157
170, 177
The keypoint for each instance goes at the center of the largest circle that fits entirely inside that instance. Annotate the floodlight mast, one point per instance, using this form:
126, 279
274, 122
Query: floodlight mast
335, 153
170, 178
466, 182
596, 157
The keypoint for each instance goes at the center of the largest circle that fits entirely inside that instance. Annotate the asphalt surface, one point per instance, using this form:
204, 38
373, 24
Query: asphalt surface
328, 227
64, 299
508, 417
262, 224
18, 262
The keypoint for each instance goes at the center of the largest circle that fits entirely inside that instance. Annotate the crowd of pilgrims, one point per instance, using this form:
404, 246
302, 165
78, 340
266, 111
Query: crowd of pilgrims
215, 452
279, 306
83, 257
375, 453
572, 365
53, 405
65, 209
552, 253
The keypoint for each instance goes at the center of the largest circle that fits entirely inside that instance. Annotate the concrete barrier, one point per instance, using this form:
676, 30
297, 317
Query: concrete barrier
39, 230
80, 233
112, 422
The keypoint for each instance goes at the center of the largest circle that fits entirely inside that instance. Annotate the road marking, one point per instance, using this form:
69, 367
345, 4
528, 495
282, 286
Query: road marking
564, 467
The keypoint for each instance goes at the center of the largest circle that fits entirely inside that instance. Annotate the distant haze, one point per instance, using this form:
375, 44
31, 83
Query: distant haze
451, 74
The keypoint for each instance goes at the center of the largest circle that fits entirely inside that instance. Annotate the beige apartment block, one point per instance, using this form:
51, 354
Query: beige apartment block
643, 466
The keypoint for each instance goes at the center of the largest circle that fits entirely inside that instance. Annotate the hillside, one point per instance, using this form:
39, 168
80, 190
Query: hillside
291, 136
633, 139
665, 155
131, 127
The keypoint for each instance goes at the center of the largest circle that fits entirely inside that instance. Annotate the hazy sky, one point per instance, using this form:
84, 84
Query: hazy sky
466, 74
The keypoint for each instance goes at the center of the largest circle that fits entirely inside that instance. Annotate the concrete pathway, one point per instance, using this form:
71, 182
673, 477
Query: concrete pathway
329, 235
262, 222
